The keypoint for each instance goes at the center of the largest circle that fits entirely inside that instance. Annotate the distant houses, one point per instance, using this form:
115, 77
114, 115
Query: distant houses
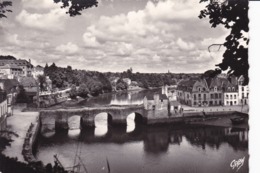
218, 91
11, 69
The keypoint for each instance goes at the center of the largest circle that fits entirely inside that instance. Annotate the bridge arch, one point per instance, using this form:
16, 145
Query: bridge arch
133, 120
101, 122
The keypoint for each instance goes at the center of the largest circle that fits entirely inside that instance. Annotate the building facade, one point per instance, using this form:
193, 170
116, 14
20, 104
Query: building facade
193, 92
24, 65
243, 92
38, 70
3, 111
216, 91
10, 71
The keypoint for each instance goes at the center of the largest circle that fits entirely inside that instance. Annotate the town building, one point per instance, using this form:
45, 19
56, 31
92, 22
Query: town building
31, 87
156, 102
216, 91
243, 91
10, 71
38, 70
25, 65
9, 86
230, 94
193, 92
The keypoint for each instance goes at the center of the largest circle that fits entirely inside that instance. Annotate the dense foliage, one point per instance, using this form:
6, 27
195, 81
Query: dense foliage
76, 6
4, 8
93, 82
233, 15
21, 95
7, 57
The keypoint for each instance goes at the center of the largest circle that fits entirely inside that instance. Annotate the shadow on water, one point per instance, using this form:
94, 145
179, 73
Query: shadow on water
157, 139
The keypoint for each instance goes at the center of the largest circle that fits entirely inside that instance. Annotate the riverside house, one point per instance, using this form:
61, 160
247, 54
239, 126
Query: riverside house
216, 91
193, 92
243, 92
158, 101
230, 94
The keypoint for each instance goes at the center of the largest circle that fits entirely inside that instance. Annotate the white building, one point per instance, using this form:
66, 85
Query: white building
26, 66
10, 71
230, 95
38, 70
243, 92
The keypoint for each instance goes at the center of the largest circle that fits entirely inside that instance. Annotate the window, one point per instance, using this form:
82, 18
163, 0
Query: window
194, 103
227, 96
227, 102
153, 107
199, 89
216, 103
187, 96
219, 95
235, 96
199, 96
228, 88
233, 88
204, 89
247, 95
204, 96
235, 102
216, 95
161, 100
243, 95
230, 96
194, 97
220, 103
242, 88
212, 96
215, 88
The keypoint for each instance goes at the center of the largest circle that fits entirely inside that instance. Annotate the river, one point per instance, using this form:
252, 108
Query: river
140, 148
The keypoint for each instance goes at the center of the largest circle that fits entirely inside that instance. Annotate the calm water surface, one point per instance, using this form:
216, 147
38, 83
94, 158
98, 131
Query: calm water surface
137, 148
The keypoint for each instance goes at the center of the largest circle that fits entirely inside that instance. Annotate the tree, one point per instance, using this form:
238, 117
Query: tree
42, 81
76, 6
83, 91
233, 15
3, 8
73, 92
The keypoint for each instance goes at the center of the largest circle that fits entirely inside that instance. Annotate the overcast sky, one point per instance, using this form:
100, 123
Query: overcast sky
146, 35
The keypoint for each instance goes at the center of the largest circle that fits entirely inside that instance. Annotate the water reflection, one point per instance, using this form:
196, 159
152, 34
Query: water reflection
101, 124
158, 139
130, 121
123, 98
186, 146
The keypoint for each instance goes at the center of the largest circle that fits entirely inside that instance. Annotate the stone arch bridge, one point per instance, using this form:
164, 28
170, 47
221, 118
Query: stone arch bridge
117, 115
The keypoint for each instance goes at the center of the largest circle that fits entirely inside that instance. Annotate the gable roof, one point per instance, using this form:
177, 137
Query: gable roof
187, 84
10, 66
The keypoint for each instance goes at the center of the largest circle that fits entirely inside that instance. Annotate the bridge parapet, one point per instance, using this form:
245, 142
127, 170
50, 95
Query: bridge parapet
117, 115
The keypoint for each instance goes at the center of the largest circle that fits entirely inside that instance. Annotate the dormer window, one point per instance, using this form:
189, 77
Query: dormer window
233, 88
215, 88
199, 89
228, 88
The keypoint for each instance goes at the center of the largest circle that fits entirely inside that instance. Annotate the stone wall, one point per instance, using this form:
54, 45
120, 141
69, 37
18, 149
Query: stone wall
29, 142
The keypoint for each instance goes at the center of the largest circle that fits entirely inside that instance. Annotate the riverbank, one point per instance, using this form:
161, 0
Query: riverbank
19, 123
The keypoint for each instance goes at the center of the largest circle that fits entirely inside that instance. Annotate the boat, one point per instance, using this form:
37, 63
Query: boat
238, 120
